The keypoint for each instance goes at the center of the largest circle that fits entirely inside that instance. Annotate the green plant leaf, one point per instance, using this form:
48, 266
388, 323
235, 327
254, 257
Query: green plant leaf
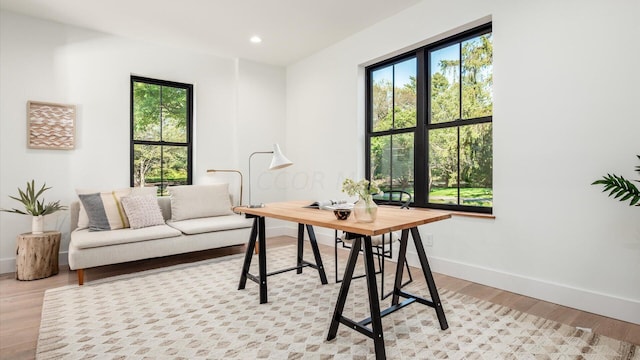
620, 188
30, 195
29, 199
43, 189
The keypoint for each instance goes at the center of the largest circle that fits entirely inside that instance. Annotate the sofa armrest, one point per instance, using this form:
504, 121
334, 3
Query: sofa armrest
74, 213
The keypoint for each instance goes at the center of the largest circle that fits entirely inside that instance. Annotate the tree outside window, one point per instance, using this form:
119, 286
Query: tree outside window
161, 118
393, 110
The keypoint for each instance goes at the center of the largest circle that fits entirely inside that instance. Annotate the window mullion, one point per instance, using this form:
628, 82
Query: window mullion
368, 124
458, 177
162, 185
460, 115
393, 123
421, 137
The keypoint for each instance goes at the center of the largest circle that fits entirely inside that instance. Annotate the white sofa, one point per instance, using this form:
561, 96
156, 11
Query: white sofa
96, 248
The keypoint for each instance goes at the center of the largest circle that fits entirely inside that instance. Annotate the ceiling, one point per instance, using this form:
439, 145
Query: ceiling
290, 29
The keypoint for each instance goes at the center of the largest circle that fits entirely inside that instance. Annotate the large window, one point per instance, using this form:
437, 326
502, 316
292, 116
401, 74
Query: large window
161, 118
429, 123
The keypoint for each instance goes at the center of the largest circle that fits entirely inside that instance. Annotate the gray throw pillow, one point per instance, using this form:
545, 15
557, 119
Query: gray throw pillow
95, 208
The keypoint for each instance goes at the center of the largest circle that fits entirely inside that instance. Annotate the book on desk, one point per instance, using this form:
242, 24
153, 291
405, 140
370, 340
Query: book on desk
330, 205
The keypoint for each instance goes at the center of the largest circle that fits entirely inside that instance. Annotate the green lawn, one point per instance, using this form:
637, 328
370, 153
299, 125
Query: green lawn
469, 196
464, 192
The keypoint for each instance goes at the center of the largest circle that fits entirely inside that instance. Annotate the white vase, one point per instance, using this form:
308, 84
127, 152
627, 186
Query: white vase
37, 224
365, 210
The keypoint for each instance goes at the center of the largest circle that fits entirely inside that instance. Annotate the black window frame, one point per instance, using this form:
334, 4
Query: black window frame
423, 125
188, 144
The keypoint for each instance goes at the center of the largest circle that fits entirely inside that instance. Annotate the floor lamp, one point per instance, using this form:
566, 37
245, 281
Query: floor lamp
230, 171
278, 161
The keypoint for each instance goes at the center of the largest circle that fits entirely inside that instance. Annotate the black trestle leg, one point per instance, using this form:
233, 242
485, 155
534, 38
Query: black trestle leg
249, 254
431, 284
262, 257
344, 288
402, 256
374, 304
316, 254
300, 248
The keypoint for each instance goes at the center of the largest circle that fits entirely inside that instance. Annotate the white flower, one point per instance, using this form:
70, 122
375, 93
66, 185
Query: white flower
363, 188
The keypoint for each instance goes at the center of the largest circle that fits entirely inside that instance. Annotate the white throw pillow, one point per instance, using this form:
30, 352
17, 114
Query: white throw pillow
83, 218
198, 201
142, 211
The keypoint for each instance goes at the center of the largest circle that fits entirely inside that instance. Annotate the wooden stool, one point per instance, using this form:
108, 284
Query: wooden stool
37, 255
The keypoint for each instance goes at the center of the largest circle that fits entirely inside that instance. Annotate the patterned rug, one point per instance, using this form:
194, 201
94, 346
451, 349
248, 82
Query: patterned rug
195, 311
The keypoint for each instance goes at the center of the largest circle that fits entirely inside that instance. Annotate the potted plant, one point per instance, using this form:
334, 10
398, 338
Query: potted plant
621, 188
365, 209
34, 207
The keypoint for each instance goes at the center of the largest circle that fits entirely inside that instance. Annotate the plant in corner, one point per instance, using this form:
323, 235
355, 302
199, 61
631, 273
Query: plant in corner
621, 187
34, 207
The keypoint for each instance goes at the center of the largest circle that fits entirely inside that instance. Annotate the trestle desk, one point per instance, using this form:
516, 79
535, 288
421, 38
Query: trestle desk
388, 219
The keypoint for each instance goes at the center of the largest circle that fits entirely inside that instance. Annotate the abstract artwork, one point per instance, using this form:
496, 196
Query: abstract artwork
50, 126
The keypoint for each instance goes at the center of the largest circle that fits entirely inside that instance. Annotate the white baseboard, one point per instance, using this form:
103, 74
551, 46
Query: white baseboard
9, 265
562, 294
581, 299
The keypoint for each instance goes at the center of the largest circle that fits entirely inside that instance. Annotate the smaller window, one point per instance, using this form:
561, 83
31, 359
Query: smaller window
161, 139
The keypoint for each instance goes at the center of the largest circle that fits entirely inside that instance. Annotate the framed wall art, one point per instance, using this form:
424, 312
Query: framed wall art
50, 126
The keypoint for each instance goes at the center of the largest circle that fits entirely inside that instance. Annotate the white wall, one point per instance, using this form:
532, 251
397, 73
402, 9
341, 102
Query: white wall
46, 61
565, 114
261, 117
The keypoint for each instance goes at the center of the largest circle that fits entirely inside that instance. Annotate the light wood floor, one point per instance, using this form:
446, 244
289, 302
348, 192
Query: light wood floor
21, 301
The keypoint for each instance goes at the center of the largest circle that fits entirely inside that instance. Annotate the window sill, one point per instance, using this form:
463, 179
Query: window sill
461, 213
473, 215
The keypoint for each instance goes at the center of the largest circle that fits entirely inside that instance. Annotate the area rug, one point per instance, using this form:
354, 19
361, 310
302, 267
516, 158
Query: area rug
195, 311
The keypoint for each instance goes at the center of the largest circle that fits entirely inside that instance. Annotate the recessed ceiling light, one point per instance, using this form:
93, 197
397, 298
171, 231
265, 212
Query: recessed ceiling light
256, 39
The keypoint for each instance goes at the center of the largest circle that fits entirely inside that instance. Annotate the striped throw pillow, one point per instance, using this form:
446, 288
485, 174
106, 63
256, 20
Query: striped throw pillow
104, 211
83, 218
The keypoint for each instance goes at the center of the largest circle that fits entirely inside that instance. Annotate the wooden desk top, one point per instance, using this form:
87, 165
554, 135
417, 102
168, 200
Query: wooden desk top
389, 218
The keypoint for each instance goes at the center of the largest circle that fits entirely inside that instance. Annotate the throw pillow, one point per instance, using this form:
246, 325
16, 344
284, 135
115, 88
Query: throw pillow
83, 219
142, 211
103, 211
197, 201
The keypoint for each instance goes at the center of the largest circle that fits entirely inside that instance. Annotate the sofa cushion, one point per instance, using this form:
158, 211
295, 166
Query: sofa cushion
84, 239
199, 201
142, 211
209, 224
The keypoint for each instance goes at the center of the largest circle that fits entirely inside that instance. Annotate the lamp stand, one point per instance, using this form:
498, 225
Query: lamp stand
250, 157
278, 161
231, 171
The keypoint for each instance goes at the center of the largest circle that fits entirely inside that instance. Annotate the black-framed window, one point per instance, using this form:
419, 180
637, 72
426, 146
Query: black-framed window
161, 133
429, 116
